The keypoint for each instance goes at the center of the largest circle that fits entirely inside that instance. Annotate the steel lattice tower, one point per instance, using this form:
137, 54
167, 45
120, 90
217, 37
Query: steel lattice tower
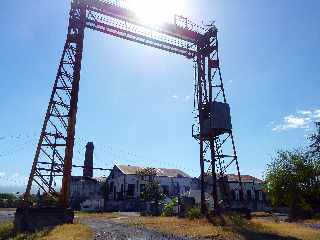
217, 147
54, 152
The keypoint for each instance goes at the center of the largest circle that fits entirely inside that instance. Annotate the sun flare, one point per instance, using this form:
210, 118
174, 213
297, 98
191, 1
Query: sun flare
155, 12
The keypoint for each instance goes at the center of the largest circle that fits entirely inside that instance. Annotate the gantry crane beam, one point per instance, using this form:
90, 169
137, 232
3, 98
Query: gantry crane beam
110, 18
54, 153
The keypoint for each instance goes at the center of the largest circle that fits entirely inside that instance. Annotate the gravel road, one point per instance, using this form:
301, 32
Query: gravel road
110, 230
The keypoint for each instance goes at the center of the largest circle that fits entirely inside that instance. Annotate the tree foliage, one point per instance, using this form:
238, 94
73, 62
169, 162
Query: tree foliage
8, 196
293, 180
8, 200
168, 209
152, 191
314, 151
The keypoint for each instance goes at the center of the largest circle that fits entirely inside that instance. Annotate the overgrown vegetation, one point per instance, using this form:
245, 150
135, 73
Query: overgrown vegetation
69, 232
194, 213
283, 230
168, 209
293, 179
63, 232
152, 191
6, 230
8, 200
235, 228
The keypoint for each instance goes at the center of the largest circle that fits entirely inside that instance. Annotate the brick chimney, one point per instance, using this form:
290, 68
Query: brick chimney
88, 161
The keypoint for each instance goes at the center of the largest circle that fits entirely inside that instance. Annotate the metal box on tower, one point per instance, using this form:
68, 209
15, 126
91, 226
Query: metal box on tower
216, 119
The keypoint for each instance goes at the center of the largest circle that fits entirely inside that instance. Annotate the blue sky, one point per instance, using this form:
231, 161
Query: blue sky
136, 102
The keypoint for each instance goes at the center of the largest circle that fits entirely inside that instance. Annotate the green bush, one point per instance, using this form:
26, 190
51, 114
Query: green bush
194, 213
168, 209
237, 219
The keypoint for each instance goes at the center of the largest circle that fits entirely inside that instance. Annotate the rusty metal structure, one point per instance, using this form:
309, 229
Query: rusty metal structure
53, 158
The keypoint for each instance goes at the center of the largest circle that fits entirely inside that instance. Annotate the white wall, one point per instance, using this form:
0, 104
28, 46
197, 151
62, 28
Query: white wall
84, 188
163, 181
92, 204
252, 186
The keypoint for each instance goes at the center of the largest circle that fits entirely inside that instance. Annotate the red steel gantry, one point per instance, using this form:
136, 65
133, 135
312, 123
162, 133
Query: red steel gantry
53, 158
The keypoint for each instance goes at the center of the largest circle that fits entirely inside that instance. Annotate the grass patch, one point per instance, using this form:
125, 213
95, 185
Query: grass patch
289, 230
194, 213
233, 228
261, 214
179, 226
69, 232
311, 221
63, 232
6, 230
7, 209
102, 215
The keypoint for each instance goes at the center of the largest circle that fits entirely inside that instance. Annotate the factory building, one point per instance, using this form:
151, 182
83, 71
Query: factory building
229, 194
122, 189
124, 183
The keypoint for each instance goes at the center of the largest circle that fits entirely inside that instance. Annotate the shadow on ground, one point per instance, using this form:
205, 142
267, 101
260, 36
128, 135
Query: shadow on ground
239, 226
252, 234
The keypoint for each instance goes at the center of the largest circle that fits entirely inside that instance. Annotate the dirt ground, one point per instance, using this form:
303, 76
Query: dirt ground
122, 226
130, 226
108, 229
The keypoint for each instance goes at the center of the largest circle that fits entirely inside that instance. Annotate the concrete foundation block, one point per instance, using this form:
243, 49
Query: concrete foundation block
31, 219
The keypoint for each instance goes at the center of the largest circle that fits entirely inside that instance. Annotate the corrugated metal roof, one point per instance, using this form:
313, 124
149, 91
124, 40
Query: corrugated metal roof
161, 172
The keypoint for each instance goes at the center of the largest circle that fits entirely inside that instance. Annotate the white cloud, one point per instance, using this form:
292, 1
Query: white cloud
305, 112
187, 98
303, 119
2, 174
178, 98
175, 96
316, 114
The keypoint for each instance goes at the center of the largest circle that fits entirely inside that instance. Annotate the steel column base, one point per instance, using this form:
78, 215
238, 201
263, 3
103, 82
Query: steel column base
30, 219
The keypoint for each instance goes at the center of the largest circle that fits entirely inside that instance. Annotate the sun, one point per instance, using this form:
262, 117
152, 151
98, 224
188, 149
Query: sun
155, 12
